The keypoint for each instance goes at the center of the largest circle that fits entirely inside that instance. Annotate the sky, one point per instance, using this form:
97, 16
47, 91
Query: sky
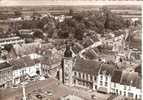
63, 2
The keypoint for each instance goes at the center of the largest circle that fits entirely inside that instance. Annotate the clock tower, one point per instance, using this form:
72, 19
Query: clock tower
67, 65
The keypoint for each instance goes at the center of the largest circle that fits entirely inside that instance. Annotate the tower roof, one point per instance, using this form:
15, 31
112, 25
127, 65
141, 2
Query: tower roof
68, 52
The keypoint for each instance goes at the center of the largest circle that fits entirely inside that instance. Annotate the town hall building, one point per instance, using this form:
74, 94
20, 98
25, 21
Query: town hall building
99, 76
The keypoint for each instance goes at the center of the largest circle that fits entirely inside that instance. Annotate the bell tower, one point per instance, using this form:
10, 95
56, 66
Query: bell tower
67, 66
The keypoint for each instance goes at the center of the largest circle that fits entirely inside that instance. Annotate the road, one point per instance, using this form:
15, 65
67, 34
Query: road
54, 87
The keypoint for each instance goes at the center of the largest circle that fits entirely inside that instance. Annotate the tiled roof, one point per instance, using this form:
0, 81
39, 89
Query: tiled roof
138, 69
87, 42
107, 68
126, 78
26, 49
43, 51
90, 54
116, 77
87, 66
96, 50
131, 78
22, 62
76, 48
94, 38
4, 65
12, 54
136, 44
42, 60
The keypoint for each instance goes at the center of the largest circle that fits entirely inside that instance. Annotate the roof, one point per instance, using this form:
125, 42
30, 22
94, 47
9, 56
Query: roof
4, 65
12, 54
87, 66
76, 48
43, 51
90, 54
96, 50
22, 62
94, 38
68, 52
87, 42
107, 68
136, 44
116, 77
131, 78
138, 69
30, 48
42, 60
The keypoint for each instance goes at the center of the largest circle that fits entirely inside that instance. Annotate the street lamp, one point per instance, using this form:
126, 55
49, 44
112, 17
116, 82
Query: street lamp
23, 91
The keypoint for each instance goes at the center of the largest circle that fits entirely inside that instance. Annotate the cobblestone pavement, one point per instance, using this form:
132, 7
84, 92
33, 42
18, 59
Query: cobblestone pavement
57, 89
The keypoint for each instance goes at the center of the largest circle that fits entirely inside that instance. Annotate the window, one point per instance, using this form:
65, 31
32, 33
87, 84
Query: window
101, 83
120, 92
75, 73
74, 81
114, 85
124, 93
106, 83
136, 96
101, 77
90, 77
116, 91
23, 72
95, 78
130, 94
87, 76
106, 78
125, 87
83, 76
37, 71
79, 75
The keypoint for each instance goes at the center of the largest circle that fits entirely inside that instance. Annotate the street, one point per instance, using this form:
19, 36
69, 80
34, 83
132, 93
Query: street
57, 90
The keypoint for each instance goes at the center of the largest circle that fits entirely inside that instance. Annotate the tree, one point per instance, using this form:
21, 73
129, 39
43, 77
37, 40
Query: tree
8, 47
17, 13
70, 12
112, 21
38, 34
36, 15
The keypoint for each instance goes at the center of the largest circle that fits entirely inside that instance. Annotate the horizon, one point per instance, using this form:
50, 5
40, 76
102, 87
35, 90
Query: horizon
8, 3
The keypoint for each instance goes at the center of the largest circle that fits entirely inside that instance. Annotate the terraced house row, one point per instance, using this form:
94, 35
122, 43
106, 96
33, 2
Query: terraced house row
21, 69
101, 76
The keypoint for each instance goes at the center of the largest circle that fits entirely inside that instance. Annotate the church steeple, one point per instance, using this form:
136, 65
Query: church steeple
68, 52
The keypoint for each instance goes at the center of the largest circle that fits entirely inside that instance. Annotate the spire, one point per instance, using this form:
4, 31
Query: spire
68, 52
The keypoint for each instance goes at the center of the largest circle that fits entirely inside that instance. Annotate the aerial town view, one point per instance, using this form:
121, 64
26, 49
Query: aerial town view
87, 51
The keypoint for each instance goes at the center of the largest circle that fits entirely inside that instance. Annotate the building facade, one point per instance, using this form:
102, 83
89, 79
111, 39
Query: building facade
25, 68
11, 40
5, 75
100, 76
